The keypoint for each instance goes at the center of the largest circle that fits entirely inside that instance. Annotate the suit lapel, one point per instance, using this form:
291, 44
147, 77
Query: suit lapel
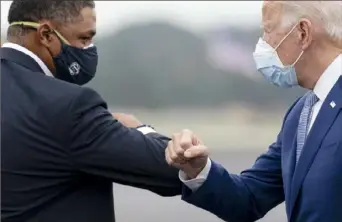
290, 165
327, 114
289, 147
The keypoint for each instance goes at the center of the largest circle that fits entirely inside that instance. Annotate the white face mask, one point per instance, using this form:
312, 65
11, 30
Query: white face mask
270, 66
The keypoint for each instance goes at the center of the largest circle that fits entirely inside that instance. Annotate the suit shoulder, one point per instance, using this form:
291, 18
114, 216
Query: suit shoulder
61, 92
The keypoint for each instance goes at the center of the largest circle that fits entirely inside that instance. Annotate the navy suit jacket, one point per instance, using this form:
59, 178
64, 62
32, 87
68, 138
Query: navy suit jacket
312, 190
61, 150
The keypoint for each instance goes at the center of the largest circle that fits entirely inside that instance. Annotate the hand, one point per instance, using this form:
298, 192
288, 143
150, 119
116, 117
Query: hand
187, 153
127, 120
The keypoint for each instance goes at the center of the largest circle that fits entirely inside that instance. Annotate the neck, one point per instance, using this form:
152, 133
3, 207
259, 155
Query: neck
22, 41
16, 40
313, 66
29, 44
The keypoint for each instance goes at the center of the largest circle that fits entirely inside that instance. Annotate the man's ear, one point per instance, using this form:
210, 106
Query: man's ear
305, 30
46, 34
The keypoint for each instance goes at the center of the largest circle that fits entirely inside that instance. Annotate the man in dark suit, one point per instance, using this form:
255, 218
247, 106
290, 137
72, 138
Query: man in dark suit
303, 167
61, 149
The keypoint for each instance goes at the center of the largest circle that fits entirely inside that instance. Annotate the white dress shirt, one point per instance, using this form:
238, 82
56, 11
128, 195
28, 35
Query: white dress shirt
29, 53
322, 88
143, 129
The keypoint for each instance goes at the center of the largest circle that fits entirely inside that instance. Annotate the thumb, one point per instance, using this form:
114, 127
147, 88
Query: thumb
196, 151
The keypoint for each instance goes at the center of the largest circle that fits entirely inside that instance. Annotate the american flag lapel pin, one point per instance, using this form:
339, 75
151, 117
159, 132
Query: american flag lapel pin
332, 104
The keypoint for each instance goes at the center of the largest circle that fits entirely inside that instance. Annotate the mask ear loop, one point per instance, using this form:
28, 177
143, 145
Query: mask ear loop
283, 39
29, 24
300, 55
36, 26
61, 37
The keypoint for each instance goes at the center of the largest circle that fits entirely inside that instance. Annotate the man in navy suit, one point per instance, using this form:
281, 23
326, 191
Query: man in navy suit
61, 149
301, 45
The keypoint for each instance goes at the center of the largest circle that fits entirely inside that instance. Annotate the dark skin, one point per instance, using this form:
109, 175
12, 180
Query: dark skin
79, 33
45, 43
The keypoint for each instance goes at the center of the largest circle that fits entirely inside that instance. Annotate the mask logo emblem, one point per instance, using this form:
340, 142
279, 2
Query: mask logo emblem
74, 68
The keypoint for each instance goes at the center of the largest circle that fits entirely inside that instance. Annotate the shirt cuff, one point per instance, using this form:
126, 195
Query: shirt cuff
146, 129
195, 183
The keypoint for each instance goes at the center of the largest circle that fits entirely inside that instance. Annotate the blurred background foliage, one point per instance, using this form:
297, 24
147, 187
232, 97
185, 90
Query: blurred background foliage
158, 65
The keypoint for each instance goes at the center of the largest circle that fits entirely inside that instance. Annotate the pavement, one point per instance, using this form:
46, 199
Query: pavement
134, 205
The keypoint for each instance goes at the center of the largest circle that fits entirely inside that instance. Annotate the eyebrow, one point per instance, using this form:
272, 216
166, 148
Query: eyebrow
92, 32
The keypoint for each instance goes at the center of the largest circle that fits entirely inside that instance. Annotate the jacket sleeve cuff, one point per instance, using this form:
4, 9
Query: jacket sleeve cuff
197, 182
208, 187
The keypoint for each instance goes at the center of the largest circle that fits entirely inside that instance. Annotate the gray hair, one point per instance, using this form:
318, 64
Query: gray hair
326, 13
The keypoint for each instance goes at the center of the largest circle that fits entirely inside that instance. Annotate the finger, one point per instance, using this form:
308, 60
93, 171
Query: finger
196, 141
168, 156
175, 151
172, 152
167, 153
186, 139
176, 144
196, 151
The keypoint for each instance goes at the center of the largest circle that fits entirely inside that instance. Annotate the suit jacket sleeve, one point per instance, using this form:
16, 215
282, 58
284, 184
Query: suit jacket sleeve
102, 146
246, 197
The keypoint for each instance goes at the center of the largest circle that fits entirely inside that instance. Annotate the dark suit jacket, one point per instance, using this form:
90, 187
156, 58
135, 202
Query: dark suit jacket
312, 190
61, 150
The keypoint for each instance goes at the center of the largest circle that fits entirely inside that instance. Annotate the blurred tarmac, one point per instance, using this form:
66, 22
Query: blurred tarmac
134, 205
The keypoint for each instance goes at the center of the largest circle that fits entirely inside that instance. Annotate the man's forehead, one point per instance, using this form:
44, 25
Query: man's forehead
271, 13
86, 22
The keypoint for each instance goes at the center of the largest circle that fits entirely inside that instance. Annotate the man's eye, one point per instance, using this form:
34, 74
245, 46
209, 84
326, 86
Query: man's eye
85, 38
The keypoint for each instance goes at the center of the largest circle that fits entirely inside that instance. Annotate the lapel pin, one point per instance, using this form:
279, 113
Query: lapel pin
332, 104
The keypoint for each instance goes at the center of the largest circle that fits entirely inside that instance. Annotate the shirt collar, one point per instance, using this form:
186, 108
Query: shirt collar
31, 54
328, 79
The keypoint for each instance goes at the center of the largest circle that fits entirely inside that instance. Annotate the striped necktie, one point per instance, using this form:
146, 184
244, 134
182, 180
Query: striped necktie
304, 122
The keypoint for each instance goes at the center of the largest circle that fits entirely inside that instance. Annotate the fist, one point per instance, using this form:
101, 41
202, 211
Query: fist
187, 153
127, 120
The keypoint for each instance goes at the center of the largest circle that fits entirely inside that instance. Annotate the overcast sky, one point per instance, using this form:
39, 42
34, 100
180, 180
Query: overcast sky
196, 15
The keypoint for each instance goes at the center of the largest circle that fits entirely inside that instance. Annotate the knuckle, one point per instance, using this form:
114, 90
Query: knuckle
170, 162
186, 131
174, 156
185, 142
179, 151
168, 159
175, 136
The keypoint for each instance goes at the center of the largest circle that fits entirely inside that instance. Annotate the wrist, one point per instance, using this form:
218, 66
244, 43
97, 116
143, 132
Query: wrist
201, 170
193, 173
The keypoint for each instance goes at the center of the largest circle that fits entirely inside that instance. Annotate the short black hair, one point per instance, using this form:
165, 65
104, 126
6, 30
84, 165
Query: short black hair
61, 11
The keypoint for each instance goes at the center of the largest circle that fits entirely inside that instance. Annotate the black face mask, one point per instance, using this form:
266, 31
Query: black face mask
74, 65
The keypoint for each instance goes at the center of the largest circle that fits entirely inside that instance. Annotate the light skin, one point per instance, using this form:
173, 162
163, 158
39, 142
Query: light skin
186, 154
308, 36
